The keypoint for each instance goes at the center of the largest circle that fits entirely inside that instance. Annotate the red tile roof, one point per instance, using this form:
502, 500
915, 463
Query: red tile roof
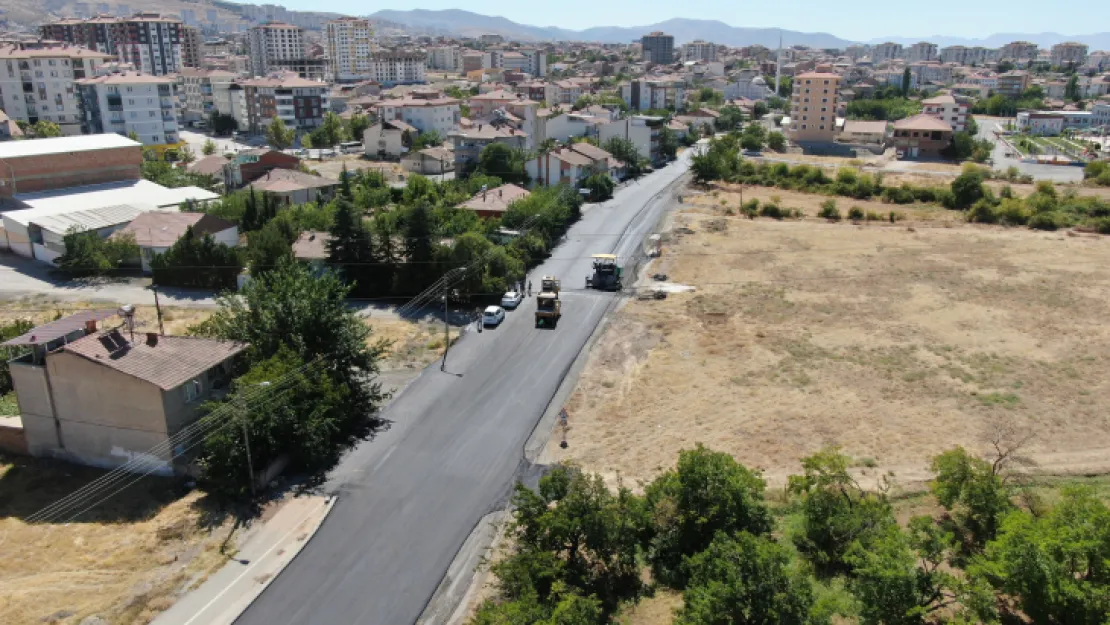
164, 228
923, 121
497, 199
169, 363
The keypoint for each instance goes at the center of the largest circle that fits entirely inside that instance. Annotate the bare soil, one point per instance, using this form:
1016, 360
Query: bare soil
895, 342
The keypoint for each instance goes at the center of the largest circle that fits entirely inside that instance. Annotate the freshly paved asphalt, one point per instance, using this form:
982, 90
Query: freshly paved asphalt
409, 498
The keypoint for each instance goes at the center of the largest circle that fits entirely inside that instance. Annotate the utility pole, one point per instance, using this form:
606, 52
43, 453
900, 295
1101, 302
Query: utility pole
158, 308
446, 334
778, 65
250, 464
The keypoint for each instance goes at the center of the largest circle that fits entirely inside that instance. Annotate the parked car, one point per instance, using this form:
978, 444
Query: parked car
493, 316
511, 299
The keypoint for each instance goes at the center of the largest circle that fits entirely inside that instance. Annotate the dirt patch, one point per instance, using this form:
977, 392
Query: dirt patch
125, 560
413, 344
39, 309
893, 342
655, 610
333, 167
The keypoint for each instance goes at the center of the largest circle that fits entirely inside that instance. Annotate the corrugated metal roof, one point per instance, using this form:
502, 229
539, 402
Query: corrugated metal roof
59, 145
92, 219
132, 192
45, 333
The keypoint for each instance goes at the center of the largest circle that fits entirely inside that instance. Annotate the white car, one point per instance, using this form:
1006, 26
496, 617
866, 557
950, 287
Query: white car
493, 316
511, 299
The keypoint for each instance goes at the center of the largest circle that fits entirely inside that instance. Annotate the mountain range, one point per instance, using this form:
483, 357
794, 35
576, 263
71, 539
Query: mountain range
467, 24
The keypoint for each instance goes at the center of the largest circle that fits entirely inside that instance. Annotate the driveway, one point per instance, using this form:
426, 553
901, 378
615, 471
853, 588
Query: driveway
409, 499
224, 145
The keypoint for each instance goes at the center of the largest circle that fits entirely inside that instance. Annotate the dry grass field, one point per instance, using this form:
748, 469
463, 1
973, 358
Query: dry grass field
895, 342
124, 561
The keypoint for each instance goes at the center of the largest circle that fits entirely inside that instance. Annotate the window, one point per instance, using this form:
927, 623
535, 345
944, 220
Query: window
803, 126
822, 126
192, 388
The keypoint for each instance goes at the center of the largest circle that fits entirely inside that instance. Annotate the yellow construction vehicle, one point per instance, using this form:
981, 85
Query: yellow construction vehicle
548, 306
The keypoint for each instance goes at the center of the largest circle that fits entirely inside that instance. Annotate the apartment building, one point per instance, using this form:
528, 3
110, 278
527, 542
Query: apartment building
1069, 53
491, 40
644, 94
308, 68
190, 47
131, 103
514, 61
274, 41
947, 108
474, 61
1018, 51
397, 68
921, 51
300, 103
965, 55
658, 48
931, 72
37, 82
813, 106
151, 43
886, 52
203, 90
425, 111
699, 50
349, 46
445, 58
1012, 84
96, 33
535, 61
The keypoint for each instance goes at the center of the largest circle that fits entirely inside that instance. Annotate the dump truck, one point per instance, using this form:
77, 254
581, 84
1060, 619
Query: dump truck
548, 306
607, 273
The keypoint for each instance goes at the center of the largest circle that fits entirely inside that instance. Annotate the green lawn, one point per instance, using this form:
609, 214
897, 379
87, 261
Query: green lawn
8, 406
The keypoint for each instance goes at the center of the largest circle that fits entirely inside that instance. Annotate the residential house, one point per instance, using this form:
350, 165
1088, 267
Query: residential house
641, 130
857, 131
38, 82
559, 166
949, 109
484, 104
469, 143
700, 119
156, 231
312, 247
109, 397
1012, 84
921, 136
494, 202
300, 103
658, 94
245, 166
567, 91
295, 187
424, 110
429, 161
813, 106
388, 139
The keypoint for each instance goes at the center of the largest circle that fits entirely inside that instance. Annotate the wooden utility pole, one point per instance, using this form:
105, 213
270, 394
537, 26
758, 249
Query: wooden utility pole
158, 308
446, 335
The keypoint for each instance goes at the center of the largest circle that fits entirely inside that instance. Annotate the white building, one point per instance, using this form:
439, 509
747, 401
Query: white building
886, 52
425, 112
131, 103
397, 68
947, 108
634, 128
643, 94
445, 58
749, 86
921, 51
536, 61
51, 71
274, 41
349, 46
699, 51
1018, 51
1069, 52
200, 88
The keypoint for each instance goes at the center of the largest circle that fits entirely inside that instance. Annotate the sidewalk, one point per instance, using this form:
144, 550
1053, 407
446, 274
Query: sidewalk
223, 597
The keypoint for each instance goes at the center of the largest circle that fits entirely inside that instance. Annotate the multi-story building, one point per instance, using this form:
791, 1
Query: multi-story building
96, 33
310, 68
37, 82
491, 40
446, 58
1012, 84
274, 41
813, 106
514, 62
536, 61
131, 103
151, 43
190, 47
474, 61
1018, 51
658, 48
965, 55
644, 94
931, 72
699, 51
1069, 53
886, 52
947, 108
349, 48
425, 111
396, 68
300, 103
921, 51
200, 88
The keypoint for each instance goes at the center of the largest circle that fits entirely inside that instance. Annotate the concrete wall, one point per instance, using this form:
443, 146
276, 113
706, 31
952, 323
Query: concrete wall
12, 439
36, 411
625, 129
56, 171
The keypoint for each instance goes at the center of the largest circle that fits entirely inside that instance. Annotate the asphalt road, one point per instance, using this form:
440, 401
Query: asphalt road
410, 497
1055, 173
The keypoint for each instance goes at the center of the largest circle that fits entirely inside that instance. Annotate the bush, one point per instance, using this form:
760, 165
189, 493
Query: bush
1044, 221
873, 216
967, 189
1006, 193
772, 210
983, 213
776, 141
88, 254
895, 216
750, 208
198, 262
855, 213
1012, 212
1102, 226
899, 195
1095, 169
829, 211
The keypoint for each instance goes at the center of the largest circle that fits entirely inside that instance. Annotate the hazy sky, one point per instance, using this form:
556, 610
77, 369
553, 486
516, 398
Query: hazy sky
853, 19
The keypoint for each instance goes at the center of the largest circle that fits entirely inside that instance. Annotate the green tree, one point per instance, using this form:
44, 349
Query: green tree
1056, 564
708, 492
197, 261
776, 141
668, 143
223, 124
729, 119
498, 159
601, 187
973, 491
1071, 89
428, 139
279, 135
270, 245
351, 251
209, 148
88, 254
186, 155
331, 130
745, 579
625, 151
418, 270
134, 136
356, 126
967, 188
906, 82
45, 129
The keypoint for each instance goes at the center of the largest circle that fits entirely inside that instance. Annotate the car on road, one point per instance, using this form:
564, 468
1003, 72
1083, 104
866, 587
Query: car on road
511, 299
493, 316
